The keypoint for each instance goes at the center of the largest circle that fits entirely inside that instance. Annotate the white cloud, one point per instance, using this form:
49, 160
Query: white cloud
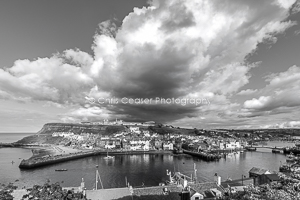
45, 79
257, 103
288, 124
286, 3
247, 92
87, 113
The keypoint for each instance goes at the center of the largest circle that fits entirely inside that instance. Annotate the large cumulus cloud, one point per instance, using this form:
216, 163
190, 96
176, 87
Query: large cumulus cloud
170, 49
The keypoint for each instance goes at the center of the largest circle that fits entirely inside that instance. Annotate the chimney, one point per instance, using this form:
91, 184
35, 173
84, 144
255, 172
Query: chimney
185, 183
217, 179
82, 185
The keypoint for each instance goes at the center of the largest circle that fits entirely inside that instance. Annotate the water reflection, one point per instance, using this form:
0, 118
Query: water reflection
149, 169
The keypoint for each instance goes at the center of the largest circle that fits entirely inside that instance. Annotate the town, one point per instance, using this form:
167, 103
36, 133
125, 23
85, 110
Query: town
147, 136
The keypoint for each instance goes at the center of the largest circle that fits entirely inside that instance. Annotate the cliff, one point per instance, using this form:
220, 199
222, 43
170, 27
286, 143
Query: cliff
44, 136
80, 128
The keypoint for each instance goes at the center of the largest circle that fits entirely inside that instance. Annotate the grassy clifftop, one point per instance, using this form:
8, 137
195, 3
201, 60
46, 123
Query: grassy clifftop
50, 128
79, 128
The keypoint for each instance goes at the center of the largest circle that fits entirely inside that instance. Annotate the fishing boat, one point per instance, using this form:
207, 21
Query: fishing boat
61, 170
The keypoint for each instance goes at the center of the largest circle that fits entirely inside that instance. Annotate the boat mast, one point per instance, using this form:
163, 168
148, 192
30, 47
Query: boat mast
96, 181
195, 171
252, 138
98, 177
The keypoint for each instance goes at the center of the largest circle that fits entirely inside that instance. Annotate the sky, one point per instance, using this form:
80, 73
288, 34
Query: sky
188, 63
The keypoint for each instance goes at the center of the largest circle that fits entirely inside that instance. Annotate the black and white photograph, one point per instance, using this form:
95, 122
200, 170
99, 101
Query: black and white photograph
149, 99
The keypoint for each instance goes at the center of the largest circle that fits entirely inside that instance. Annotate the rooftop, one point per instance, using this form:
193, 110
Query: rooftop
202, 187
157, 190
106, 194
272, 177
258, 171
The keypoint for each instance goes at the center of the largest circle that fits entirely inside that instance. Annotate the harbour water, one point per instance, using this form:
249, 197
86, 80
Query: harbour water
145, 169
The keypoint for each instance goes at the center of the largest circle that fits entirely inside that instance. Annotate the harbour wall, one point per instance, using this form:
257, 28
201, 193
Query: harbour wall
48, 160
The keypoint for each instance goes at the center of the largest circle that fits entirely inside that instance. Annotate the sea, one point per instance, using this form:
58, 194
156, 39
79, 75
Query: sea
138, 170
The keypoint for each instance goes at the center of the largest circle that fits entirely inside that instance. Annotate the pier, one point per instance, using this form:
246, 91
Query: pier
35, 162
268, 147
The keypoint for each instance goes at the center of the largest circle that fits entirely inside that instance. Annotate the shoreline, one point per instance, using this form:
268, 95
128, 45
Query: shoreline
58, 154
47, 154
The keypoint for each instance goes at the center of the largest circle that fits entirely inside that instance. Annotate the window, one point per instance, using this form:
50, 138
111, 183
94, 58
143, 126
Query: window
196, 198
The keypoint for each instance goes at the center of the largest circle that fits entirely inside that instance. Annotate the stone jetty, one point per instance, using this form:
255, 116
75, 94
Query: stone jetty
203, 155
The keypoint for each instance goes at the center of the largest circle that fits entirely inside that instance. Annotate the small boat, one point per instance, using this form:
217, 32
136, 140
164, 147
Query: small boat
275, 151
108, 157
178, 151
251, 148
61, 170
228, 179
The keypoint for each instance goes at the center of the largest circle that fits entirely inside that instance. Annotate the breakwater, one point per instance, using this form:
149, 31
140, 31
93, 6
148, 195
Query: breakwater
204, 156
14, 144
6, 145
35, 162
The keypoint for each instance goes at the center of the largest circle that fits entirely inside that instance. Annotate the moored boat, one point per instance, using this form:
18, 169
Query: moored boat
275, 151
61, 170
108, 157
251, 148
178, 151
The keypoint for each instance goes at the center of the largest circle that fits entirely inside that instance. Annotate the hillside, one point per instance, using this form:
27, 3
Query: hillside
80, 128
44, 136
162, 130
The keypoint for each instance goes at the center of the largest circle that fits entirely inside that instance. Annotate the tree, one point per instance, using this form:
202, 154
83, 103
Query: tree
287, 188
6, 190
52, 192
